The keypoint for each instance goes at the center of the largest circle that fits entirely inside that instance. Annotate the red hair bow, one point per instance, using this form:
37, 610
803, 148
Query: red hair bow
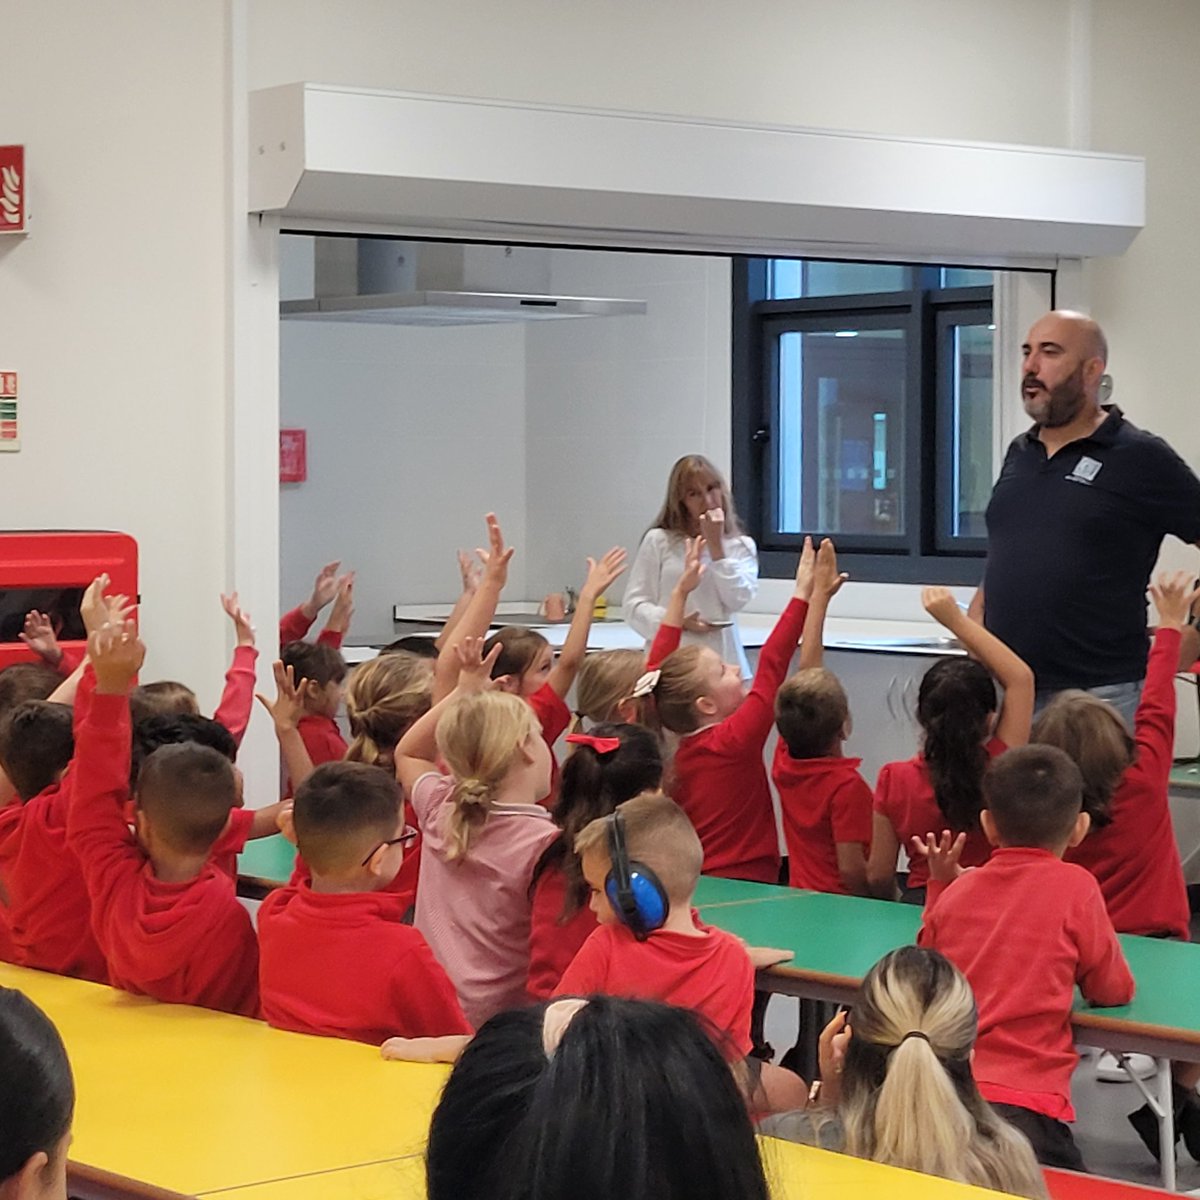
601, 745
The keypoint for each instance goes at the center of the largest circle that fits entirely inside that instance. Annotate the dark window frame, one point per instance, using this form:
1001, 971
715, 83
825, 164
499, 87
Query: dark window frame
926, 556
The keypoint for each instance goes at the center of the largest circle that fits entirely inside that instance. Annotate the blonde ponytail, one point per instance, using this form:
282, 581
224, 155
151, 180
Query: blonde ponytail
383, 698
909, 1099
480, 737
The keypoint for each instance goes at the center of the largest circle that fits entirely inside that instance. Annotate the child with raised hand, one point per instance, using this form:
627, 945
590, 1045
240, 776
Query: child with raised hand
166, 917
328, 587
336, 958
1025, 928
1131, 847
826, 803
483, 831
320, 672
719, 777
941, 786
606, 767
526, 665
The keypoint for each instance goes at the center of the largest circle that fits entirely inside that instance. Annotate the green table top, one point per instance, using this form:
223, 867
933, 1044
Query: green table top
1187, 775
270, 858
835, 940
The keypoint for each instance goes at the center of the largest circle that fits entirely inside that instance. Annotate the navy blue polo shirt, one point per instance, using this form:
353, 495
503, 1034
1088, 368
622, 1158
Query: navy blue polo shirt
1071, 544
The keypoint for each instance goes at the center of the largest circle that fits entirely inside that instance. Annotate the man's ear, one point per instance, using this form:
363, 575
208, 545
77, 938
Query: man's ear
988, 822
1083, 823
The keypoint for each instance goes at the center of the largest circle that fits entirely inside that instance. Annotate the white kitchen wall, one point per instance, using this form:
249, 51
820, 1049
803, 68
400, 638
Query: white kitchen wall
413, 434
612, 403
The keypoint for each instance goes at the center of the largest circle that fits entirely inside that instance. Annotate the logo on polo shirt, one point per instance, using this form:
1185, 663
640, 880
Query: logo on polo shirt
1085, 471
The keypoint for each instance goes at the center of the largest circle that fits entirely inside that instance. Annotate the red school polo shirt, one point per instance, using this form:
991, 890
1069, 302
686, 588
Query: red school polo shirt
824, 801
552, 945
712, 975
344, 965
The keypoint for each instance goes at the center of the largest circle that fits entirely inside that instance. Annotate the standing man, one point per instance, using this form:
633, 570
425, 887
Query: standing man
1076, 520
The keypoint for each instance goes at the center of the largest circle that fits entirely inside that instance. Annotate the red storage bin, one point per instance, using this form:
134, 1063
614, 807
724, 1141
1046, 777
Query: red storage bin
49, 570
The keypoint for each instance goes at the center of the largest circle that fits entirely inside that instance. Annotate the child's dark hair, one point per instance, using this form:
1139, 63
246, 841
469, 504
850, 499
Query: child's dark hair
37, 1101
517, 1121
26, 681
592, 785
315, 661
341, 811
1096, 739
955, 700
521, 648
811, 710
173, 730
186, 791
36, 744
165, 698
1034, 794
423, 645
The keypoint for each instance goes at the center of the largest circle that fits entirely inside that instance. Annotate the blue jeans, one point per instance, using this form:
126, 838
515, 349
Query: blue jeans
1123, 697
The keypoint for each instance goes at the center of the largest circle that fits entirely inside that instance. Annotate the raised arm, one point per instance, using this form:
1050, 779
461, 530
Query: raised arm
338, 624
669, 634
237, 699
295, 624
480, 610
471, 575
1009, 669
600, 577
286, 710
827, 581
1154, 724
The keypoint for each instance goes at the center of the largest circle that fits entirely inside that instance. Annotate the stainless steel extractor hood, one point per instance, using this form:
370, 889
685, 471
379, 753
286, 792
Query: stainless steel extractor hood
382, 281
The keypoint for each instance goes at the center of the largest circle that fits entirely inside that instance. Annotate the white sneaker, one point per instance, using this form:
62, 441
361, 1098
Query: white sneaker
1109, 1070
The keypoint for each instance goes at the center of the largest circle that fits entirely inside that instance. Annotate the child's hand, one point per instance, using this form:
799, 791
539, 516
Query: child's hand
831, 1055
805, 571
827, 579
940, 604
496, 557
470, 571
98, 610
693, 568
287, 708
474, 670
601, 574
1173, 596
240, 619
942, 854
767, 956
325, 587
117, 655
343, 605
38, 635
712, 530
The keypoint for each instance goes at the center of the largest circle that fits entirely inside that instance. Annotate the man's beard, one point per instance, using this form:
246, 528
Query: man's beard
1059, 405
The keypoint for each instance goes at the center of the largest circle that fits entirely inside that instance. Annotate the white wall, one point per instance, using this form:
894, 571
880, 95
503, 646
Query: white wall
413, 434
113, 308
612, 403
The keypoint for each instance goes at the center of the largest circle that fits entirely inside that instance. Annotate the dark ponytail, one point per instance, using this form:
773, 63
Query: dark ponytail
37, 1099
956, 698
591, 786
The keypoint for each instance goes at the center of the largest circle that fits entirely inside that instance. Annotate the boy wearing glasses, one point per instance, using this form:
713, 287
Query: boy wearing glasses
335, 958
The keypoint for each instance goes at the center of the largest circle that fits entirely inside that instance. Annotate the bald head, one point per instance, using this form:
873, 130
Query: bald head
1064, 357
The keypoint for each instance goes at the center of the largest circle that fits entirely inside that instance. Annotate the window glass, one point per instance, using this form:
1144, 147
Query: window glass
963, 277
971, 438
840, 406
793, 279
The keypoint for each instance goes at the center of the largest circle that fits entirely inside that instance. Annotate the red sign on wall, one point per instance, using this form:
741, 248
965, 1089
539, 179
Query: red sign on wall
10, 431
12, 189
293, 456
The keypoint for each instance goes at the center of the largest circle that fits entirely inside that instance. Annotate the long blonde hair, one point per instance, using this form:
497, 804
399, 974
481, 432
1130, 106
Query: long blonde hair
673, 516
908, 1096
383, 698
480, 737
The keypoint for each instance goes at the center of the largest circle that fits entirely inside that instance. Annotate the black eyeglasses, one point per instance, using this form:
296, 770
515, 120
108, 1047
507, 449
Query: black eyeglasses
408, 836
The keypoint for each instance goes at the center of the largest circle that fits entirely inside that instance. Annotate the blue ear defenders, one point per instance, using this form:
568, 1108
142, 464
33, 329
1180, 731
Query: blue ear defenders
634, 891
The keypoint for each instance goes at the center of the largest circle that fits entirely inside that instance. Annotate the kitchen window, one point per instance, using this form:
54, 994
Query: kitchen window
864, 411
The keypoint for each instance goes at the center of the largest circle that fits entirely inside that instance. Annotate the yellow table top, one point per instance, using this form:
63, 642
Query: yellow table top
795, 1173
195, 1101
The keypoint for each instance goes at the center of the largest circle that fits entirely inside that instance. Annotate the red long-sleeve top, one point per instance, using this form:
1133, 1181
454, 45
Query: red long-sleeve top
720, 780
187, 943
343, 965
237, 700
553, 716
294, 626
1135, 858
1024, 929
49, 910
552, 945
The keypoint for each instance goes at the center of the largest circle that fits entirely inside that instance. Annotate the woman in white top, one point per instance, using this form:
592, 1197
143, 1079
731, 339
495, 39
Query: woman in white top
698, 504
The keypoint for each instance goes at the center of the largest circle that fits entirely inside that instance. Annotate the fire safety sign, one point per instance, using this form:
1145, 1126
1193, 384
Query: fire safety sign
12, 189
10, 434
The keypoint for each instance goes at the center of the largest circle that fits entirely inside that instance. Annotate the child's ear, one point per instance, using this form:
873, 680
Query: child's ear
847, 728
27, 1183
1083, 823
287, 823
706, 706
989, 827
507, 683
627, 711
